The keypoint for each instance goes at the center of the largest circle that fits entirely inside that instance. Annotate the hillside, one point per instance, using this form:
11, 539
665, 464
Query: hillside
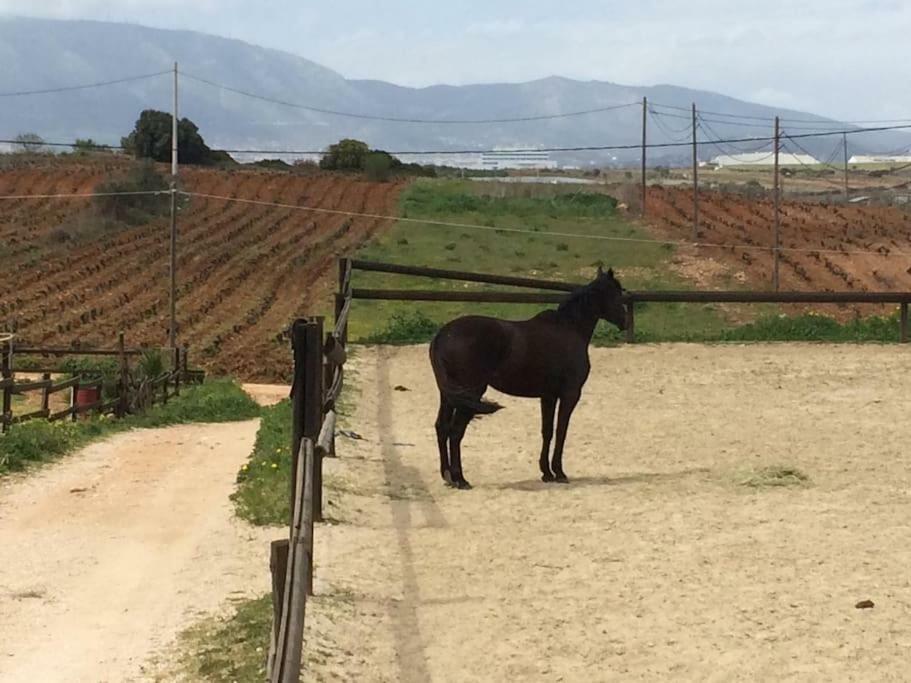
245, 270
41, 54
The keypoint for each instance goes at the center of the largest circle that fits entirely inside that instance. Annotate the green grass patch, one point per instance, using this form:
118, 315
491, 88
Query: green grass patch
497, 248
261, 497
775, 476
813, 327
226, 649
39, 441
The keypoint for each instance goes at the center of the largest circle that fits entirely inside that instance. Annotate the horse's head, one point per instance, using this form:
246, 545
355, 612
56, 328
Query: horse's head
609, 298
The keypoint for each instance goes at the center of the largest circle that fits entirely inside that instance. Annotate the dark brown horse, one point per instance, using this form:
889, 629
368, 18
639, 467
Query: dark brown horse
545, 357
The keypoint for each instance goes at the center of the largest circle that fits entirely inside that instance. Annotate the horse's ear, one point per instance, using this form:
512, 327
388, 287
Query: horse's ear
610, 273
600, 270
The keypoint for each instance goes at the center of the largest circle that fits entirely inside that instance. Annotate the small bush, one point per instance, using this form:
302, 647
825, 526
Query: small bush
450, 246
378, 166
134, 209
406, 327
562, 246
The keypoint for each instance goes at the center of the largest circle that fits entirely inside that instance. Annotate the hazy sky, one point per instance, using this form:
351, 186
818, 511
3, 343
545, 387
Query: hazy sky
840, 58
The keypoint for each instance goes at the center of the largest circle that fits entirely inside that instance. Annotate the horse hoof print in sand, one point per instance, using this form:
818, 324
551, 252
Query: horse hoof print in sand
545, 357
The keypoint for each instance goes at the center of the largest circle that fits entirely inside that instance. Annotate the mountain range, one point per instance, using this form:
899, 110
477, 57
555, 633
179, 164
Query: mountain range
40, 54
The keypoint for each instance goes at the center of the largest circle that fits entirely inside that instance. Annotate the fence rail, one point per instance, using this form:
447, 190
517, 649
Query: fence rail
158, 390
630, 298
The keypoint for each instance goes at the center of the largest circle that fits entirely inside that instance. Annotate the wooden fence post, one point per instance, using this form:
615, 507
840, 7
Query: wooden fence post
313, 408
6, 372
299, 350
278, 565
903, 332
123, 406
73, 392
46, 393
630, 323
176, 371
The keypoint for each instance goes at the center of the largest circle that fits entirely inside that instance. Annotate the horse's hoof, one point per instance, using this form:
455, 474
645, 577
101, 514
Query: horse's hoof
462, 484
547, 478
561, 479
447, 477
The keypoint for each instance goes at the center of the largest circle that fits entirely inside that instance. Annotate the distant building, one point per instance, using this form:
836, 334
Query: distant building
764, 159
516, 159
879, 159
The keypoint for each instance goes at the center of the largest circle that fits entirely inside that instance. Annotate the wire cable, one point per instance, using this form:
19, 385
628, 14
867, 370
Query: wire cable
395, 119
69, 88
82, 195
551, 233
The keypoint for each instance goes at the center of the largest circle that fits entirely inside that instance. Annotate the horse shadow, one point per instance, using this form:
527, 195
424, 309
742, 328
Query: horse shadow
605, 480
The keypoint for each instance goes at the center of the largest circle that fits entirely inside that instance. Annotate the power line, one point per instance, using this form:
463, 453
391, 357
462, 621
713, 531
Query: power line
580, 148
68, 88
675, 135
83, 195
395, 119
771, 119
550, 233
42, 143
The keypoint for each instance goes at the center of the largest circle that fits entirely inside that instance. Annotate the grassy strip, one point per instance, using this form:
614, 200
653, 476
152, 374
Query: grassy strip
40, 441
415, 327
226, 649
535, 211
541, 209
261, 497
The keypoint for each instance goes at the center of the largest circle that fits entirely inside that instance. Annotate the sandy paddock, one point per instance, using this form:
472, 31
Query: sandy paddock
656, 562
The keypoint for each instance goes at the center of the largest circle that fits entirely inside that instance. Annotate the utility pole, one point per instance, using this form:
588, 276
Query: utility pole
695, 182
172, 327
644, 140
844, 140
777, 206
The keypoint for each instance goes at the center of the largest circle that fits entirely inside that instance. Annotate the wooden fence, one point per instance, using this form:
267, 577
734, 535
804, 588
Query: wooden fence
158, 389
631, 298
319, 378
318, 381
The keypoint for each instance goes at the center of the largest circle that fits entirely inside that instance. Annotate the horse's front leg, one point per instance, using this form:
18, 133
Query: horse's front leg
548, 407
567, 405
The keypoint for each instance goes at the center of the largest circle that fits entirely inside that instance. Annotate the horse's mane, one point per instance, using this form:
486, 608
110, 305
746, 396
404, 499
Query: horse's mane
574, 306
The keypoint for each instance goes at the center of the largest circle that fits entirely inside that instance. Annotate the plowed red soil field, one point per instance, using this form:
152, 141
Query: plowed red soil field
245, 270
837, 247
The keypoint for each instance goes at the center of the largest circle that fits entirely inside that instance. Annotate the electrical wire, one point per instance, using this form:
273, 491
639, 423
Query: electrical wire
395, 119
670, 133
43, 143
82, 195
69, 88
581, 148
550, 233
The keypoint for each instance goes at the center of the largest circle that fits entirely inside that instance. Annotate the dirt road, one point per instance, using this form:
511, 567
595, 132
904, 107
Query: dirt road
665, 558
108, 554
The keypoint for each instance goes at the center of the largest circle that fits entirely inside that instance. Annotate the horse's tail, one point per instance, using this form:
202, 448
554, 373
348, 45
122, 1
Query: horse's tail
476, 406
454, 395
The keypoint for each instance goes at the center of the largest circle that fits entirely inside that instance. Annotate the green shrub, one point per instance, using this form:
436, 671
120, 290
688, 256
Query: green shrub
406, 327
378, 166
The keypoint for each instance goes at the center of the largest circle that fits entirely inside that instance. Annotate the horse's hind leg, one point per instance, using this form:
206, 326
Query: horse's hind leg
443, 426
548, 406
459, 425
